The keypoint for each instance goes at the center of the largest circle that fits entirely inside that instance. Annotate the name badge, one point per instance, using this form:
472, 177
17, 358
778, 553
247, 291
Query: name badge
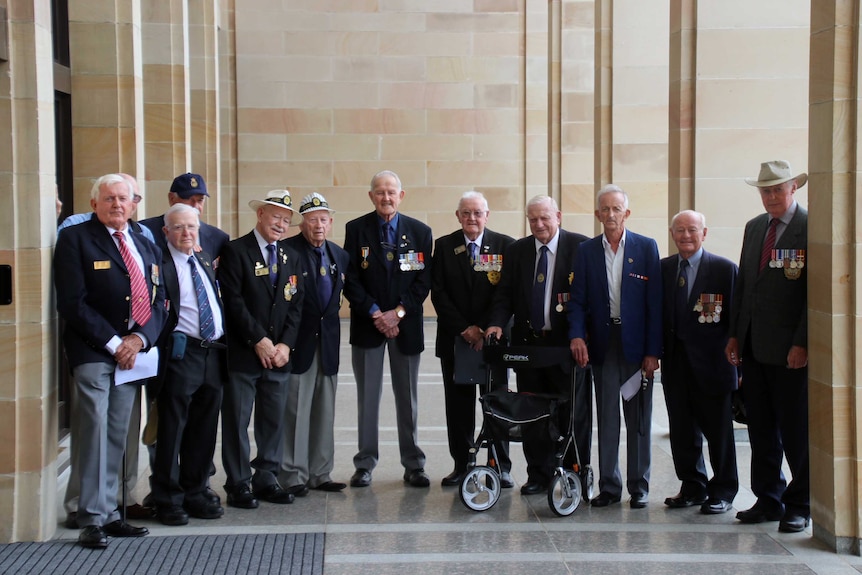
102, 265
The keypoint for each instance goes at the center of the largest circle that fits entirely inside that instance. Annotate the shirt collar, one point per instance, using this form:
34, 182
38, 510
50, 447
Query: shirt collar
694, 260
477, 241
607, 244
788, 215
552, 245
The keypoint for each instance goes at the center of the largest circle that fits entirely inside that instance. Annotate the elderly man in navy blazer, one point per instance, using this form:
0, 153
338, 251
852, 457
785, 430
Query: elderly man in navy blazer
110, 295
769, 339
388, 279
696, 377
263, 291
615, 325
309, 441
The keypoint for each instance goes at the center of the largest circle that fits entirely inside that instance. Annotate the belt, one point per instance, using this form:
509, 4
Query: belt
204, 343
617, 320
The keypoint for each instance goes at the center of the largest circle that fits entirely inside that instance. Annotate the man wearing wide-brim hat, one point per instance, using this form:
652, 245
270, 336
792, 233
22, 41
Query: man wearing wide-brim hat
769, 341
309, 442
262, 287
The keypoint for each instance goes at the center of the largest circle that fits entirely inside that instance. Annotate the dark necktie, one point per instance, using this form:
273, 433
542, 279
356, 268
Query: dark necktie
681, 301
324, 282
273, 264
141, 311
388, 248
205, 314
768, 245
537, 299
473, 249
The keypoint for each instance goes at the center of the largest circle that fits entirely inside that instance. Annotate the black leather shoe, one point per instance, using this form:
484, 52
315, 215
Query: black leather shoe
533, 487
454, 478
138, 511
274, 494
417, 477
758, 514
298, 490
793, 522
93, 537
71, 521
362, 478
604, 499
172, 515
679, 500
212, 496
715, 506
330, 486
120, 528
203, 508
639, 500
242, 497
506, 480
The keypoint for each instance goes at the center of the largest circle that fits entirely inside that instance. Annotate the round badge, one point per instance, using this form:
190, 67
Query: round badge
364, 264
559, 307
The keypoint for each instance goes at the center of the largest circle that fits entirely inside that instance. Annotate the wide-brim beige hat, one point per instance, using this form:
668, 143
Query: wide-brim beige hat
774, 173
279, 199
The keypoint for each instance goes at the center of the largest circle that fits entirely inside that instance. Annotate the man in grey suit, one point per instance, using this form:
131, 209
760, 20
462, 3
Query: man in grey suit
769, 339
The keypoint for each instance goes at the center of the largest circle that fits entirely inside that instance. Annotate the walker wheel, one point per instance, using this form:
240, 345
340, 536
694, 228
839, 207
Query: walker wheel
480, 488
564, 494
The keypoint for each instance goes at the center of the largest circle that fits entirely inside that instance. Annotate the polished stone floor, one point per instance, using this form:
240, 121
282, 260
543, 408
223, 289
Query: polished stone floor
393, 528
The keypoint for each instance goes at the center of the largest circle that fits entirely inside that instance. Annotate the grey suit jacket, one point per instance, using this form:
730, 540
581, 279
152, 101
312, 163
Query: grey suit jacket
770, 309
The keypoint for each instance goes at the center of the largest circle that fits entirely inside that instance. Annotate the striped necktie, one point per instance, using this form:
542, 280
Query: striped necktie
141, 311
205, 314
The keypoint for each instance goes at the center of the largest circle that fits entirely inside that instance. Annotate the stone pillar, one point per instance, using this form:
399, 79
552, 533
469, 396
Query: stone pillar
28, 388
834, 293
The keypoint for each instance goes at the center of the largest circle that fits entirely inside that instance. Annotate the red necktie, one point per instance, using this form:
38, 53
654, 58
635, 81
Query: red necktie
141, 311
768, 245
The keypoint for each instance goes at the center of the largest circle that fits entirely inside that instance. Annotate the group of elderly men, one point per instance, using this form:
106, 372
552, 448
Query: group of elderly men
217, 327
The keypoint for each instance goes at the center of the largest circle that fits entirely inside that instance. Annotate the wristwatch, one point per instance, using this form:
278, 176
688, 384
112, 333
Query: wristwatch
400, 312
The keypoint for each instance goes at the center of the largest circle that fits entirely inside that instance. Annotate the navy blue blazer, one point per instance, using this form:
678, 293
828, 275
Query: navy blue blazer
211, 239
320, 321
368, 285
93, 291
516, 283
704, 343
462, 296
253, 309
640, 299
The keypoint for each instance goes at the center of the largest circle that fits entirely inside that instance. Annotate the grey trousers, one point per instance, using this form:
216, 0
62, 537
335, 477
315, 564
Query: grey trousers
368, 370
309, 439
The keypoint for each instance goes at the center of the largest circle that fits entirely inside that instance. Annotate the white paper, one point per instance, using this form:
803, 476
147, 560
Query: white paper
146, 366
631, 386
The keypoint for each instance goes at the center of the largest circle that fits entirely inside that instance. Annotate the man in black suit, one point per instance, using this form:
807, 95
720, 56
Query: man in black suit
465, 273
109, 293
539, 309
769, 339
388, 279
191, 190
309, 440
261, 280
191, 379
696, 377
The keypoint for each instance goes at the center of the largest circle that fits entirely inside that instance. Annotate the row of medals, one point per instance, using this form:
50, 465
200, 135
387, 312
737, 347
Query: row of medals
409, 262
792, 261
490, 264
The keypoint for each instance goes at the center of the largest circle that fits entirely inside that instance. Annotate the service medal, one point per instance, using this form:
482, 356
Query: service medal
494, 277
559, 307
364, 264
540, 278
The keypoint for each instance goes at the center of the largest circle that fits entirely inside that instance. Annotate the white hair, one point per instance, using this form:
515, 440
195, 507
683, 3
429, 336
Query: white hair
540, 199
612, 189
697, 215
473, 195
383, 174
108, 180
179, 209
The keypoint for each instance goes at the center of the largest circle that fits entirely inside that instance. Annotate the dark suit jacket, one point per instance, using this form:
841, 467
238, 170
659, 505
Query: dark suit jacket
770, 309
211, 239
320, 322
513, 293
704, 343
640, 299
368, 286
93, 291
253, 310
462, 296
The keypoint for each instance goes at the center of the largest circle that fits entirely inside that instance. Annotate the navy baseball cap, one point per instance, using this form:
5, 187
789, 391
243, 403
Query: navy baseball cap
188, 185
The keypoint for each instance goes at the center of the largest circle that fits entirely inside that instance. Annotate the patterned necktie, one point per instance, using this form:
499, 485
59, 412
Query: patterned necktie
273, 264
537, 299
473, 249
768, 245
205, 314
324, 282
682, 288
141, 311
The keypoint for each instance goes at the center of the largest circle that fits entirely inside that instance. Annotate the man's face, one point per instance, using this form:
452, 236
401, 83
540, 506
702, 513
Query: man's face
776, 199
688, 234
544, 222
114, 205
472, 216
386, 196
612, 212
272, 222
196, 201
181, 231
315, 226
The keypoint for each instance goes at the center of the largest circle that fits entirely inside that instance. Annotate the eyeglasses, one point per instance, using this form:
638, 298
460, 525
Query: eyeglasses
137, 199
183, 228
477, 214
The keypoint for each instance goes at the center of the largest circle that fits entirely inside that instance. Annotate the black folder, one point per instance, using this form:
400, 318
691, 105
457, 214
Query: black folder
469, 366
